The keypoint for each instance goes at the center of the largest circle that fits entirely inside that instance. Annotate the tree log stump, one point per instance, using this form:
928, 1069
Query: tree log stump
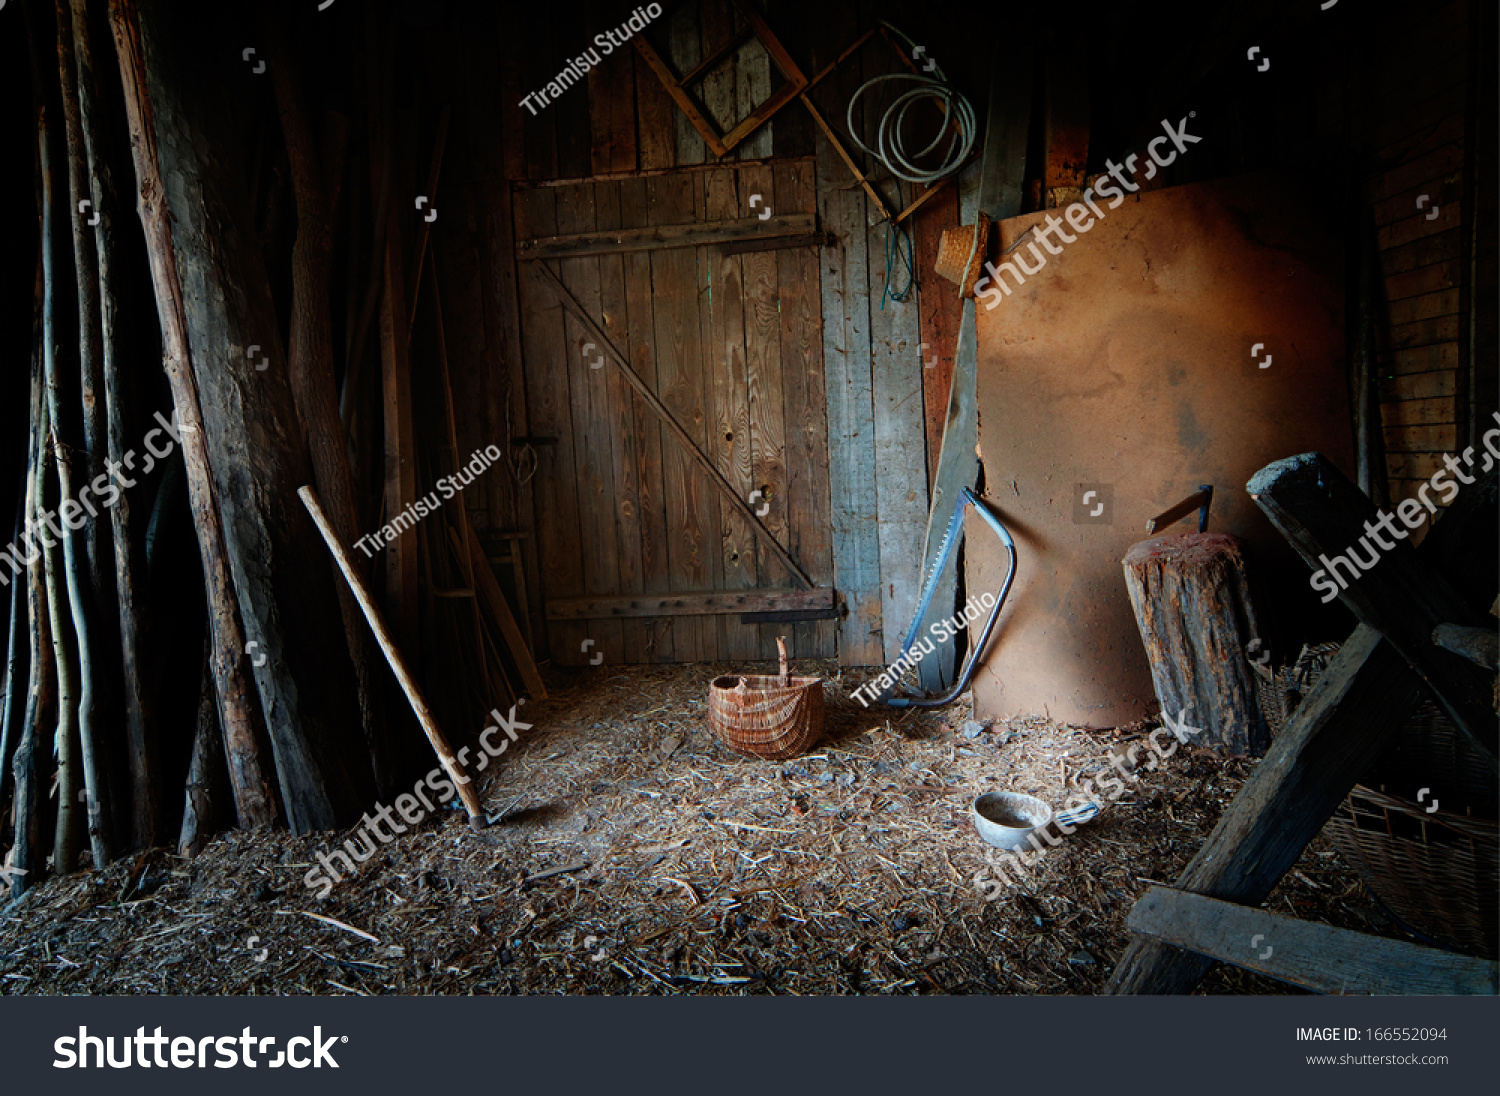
1192, 604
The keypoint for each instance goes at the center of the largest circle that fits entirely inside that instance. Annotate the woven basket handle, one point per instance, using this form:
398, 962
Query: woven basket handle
781, 653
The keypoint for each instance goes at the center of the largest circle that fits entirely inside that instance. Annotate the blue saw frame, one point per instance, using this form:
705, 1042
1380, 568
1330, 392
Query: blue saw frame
951, 540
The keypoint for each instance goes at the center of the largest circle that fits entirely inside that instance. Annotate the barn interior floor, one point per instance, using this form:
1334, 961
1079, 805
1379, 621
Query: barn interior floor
674, 866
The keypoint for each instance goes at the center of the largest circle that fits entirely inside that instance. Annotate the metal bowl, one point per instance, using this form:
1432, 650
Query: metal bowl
1004, 819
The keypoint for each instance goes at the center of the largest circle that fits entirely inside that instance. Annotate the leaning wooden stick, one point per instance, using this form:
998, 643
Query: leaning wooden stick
413, 692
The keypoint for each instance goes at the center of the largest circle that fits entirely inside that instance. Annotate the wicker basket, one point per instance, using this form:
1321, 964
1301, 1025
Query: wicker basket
1439, 873
772, 718
1280, 690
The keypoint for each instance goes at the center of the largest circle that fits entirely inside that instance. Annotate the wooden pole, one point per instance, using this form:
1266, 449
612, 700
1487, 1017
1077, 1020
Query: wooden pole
30, 797
310, 359
207, 781
472, 564
65, 740
18, 655
239, 714
16, 667
487, 589
141, 762
84, 568
409, 685
423, 231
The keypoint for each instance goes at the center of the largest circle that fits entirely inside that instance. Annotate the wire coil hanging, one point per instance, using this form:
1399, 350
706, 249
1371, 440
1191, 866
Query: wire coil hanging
960, 127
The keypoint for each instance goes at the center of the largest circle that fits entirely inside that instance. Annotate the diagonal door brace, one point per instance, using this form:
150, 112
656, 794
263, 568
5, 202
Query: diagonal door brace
674, 427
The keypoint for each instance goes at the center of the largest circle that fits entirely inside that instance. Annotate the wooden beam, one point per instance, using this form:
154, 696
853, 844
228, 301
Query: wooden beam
680, 96
1198, 500
1318, 957
713, 60
708, 603
659, 237
1403, 596
424, 230
520, 186
674, 427
838, 146
786, 616
400, 431
1001, 174
1480, 646
837, 61
926, 192
780, 243
762, 114
493, 599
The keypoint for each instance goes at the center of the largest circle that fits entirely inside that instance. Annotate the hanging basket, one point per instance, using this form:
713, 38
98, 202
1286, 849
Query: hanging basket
772, 718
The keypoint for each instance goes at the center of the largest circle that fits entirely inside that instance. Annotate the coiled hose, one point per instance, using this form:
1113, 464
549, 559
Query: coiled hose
960, 128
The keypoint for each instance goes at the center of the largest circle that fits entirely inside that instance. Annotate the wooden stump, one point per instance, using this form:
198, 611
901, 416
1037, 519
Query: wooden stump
1192, 604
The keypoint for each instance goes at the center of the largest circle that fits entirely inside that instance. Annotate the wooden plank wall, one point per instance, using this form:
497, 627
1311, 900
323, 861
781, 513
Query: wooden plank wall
845, 409
732, 347
1413, 121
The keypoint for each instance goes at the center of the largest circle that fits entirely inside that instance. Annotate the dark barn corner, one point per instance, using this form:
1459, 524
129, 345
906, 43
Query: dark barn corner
748, 497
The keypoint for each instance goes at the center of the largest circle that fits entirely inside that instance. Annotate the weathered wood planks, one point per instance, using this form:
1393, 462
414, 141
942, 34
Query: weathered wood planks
680, 384
809, 534
694, 233
701, 603
649, 482
724, 336
844, 291
549, 413
1318, 957
591, 419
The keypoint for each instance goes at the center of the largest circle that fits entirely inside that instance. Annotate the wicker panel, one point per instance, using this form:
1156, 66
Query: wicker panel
1429, 753
1438, 872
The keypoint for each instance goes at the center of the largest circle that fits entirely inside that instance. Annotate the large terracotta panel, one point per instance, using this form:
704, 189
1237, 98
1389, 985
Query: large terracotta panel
1125, 362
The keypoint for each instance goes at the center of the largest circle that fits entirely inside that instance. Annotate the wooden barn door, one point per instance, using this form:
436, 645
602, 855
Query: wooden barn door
706, 280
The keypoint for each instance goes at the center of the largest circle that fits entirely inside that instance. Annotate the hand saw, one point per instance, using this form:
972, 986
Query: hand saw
951, 539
